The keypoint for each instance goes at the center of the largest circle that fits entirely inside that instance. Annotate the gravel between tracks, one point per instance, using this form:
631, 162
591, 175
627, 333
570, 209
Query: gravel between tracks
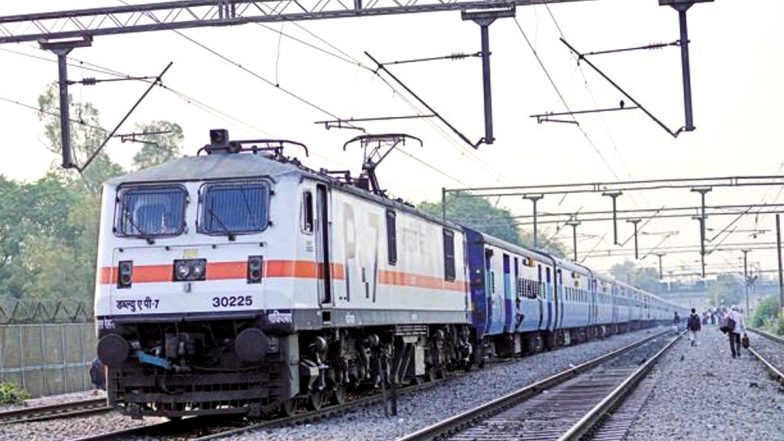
70, 428
772, 351
702, 393
447, 399
56, 399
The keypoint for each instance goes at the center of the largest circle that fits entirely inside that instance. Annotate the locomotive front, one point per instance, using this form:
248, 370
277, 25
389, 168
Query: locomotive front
197, 278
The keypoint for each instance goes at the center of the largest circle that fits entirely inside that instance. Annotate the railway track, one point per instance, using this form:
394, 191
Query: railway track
61, 410
775, 371
565, 406
211, 428
206, 428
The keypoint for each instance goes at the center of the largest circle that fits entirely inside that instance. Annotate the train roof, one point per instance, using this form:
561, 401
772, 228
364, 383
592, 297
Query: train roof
210, 167
530, 252
249, 166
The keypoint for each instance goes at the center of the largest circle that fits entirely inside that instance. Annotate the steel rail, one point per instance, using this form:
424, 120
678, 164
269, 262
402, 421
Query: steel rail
53, 411
317, 415
147, 430
202, 423
595, 416
470, 416
774, 371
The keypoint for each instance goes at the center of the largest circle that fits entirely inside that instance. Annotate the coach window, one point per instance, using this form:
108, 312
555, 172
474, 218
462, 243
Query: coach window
449, 255
307, 212
391, 237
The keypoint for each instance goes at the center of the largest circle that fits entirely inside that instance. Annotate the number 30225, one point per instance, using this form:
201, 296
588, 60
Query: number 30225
227, 301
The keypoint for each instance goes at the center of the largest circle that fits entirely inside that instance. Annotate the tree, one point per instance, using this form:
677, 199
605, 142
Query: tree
552, 246
163, 143
725, 290
58, 267
86, 136
477, 213
49, 228
30, 212
644, 278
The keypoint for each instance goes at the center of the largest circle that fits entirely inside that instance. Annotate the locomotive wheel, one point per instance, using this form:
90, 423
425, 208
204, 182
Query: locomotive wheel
315, 400
441, 373
288, 407
339, 394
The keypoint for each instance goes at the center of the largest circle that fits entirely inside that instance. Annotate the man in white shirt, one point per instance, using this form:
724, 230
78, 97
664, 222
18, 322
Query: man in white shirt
735, 332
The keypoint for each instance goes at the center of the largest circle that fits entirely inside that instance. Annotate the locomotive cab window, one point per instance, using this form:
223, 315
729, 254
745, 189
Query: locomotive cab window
234, 208
391, 237
307, 212
150, 211
449, 255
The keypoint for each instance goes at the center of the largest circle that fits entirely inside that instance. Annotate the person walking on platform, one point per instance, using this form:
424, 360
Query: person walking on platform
676, 322
734, 326
694, 325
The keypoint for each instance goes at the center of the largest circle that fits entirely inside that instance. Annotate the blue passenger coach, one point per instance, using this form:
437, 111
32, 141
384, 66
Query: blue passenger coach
525, 300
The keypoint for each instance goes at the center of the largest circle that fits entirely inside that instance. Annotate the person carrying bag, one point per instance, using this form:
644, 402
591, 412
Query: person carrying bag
735, 326
728, 324
694, 325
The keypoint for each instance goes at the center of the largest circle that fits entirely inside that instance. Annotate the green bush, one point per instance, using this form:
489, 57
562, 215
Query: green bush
12, 394
766, 310
780, 326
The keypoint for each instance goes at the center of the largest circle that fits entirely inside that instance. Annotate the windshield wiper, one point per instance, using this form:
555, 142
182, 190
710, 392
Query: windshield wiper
214, 216
253, 217
144, 234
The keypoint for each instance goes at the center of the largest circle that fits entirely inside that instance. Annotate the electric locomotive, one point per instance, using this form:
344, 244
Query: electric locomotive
239, 281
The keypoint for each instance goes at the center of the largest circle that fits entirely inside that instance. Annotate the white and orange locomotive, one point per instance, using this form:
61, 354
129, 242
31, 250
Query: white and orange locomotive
241, 282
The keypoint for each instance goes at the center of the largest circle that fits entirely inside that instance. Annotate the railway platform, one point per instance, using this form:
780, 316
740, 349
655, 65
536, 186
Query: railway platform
702, 393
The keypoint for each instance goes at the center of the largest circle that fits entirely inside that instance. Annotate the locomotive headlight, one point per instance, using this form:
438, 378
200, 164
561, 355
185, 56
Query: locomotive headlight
188, 270
182, 270
197, 269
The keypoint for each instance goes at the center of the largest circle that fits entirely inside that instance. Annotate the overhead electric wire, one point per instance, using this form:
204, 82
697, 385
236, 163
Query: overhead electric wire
563, 100
241, 67
614, 144
238, 65
430, 166
354, 61
340, 57
594, 247
590, 93
179, 94
346, 57
57, 114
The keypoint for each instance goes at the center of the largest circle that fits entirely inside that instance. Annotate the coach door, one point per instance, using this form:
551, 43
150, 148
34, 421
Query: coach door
323, 251
495, 308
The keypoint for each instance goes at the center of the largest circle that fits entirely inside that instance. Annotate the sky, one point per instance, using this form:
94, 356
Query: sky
737, 56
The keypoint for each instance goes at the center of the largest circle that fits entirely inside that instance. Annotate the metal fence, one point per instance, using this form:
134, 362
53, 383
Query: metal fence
47, 359
46, 346
14, 311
